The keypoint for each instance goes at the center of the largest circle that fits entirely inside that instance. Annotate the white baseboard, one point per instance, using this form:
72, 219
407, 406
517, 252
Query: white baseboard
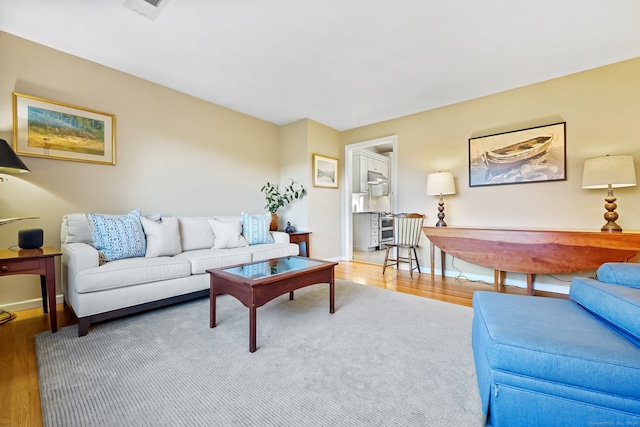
537, 285
27, 304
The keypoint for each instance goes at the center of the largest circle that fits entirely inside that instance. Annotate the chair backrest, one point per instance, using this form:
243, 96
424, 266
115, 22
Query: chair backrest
407, 228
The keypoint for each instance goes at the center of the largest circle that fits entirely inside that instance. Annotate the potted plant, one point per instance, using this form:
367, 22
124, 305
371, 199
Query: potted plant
277, 198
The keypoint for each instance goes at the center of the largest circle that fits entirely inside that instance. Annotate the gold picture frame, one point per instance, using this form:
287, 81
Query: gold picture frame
325, 171
55, 130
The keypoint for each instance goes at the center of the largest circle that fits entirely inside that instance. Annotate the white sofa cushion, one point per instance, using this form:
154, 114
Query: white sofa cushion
163, 238
203, 259
227, 233
273, 250
76, 229
131, 271
195, 233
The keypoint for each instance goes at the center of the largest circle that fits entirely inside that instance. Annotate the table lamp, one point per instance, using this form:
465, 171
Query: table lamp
609, 172
440, 184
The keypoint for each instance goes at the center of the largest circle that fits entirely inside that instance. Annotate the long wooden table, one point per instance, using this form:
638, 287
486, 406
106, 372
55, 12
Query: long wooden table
532, 251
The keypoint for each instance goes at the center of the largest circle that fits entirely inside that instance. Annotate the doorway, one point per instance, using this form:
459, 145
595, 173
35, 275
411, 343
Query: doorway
387, 147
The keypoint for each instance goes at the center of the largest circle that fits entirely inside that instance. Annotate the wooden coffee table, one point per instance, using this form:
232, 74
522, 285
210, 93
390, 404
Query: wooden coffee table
257, 283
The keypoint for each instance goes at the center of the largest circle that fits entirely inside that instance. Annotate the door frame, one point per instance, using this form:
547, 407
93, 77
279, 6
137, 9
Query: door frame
347, 217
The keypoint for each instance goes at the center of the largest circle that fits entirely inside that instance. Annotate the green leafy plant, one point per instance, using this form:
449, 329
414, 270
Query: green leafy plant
277, 199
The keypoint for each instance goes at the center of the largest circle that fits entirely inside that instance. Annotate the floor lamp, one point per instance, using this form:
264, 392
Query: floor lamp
9, 163
609, 172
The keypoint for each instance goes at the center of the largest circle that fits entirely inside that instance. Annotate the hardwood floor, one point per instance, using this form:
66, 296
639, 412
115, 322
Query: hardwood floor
19, 393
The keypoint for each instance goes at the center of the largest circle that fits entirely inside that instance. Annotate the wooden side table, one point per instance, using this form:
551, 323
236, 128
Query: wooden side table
35, 261
301, 238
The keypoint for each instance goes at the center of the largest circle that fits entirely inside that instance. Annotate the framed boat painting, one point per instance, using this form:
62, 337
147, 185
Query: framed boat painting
523, 156
54, 130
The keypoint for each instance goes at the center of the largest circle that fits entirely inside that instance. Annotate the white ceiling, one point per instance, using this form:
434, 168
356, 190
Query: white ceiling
343, 63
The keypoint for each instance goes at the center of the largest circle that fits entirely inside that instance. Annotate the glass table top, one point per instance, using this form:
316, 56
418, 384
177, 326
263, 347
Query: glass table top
258, 270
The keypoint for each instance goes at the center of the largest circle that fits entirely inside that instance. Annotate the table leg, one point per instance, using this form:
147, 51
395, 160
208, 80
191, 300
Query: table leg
212, 309
498, 280
432, 257
252, 328
443, 260
51, 291
530, 278
43, 291
332, 297
291, 296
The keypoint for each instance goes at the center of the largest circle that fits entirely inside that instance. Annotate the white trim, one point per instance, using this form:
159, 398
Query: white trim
29, 304
537, 286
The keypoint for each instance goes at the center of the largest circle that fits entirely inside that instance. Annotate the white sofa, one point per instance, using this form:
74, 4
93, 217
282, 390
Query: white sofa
124, 286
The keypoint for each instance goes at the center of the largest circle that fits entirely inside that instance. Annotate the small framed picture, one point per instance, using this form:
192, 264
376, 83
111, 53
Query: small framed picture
523, 156
325, 171
54, 130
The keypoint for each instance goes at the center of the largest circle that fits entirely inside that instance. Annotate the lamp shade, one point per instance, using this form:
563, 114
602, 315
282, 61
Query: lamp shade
617, 171
9, 160
440, 183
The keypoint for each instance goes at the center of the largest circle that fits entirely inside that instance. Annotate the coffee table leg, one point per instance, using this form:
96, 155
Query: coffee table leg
291, 296
332, 298
212, 309
252, 328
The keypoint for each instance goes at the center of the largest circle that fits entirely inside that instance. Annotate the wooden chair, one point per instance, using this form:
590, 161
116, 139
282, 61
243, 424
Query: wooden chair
407, 229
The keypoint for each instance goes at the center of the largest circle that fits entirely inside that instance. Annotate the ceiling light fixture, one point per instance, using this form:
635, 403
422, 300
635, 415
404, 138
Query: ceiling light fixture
150, 9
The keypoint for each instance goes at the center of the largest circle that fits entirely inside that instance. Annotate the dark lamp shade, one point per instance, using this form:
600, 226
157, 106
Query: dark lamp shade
9, 160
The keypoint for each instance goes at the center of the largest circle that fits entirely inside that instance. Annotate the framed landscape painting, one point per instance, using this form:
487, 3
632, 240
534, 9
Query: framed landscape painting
325, 171
53, 130
529, 155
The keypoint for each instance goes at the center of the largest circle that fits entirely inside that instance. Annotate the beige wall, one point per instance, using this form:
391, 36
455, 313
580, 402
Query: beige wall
175, 154
320, 211
601, 108
180, 155
293, 152
325, 203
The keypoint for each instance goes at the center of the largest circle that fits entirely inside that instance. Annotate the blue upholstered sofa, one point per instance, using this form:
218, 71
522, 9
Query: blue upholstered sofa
562, 362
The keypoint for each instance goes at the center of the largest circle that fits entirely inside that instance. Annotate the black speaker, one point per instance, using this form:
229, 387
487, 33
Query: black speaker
30, 238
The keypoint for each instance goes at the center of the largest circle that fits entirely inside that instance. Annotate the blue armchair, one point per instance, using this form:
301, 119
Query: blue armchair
547, 361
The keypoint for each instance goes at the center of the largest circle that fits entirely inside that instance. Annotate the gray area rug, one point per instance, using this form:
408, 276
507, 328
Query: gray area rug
383, 359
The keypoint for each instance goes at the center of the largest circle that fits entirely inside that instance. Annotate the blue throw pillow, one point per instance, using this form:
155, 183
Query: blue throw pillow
117, 237
620, 273
255, 228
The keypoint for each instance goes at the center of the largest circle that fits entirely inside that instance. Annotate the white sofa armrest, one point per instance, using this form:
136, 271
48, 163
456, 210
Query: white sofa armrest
280, 237
76, 257
80, 256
